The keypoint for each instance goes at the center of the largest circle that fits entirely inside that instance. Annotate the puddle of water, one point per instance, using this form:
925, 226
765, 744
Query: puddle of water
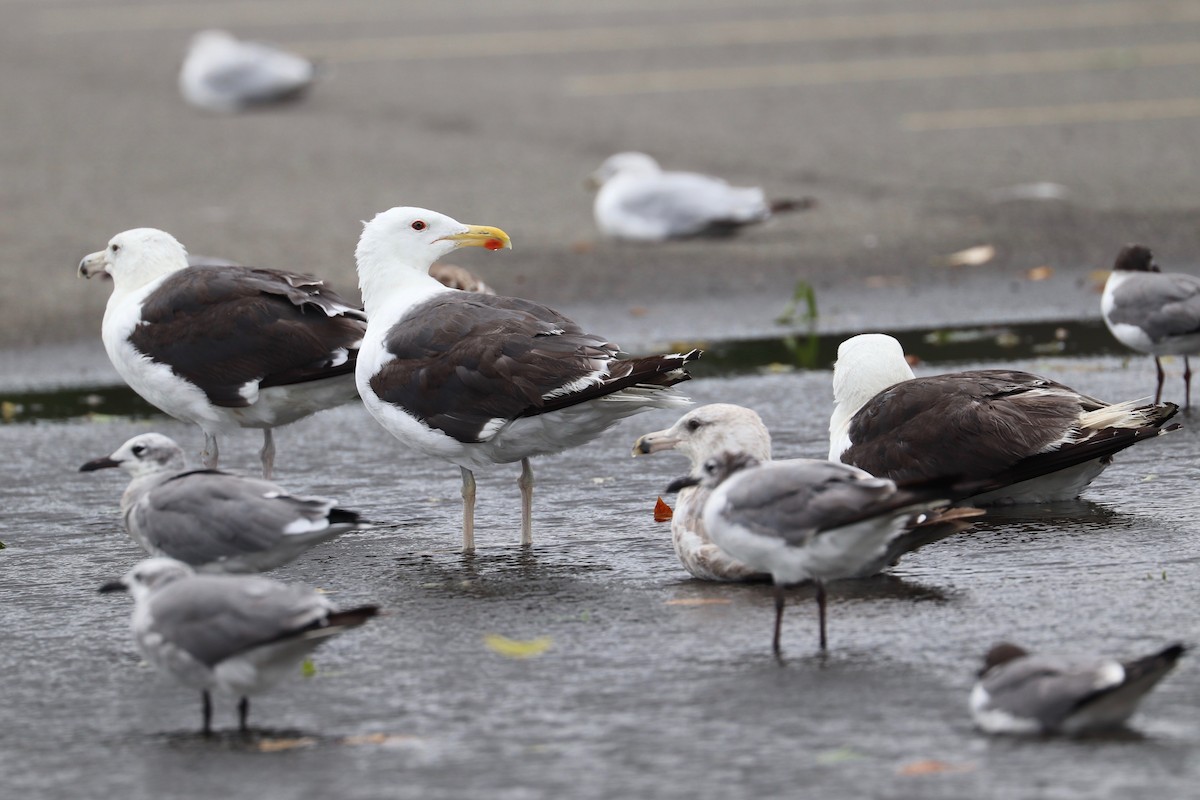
797, 350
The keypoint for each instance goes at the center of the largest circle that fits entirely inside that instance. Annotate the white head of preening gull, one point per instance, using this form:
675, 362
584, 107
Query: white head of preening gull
214, 521
639, 201
1153, 312
224, 347
1017, 437
237, 634
1035, 694
806, 519
224, 73
700, 434
479, 379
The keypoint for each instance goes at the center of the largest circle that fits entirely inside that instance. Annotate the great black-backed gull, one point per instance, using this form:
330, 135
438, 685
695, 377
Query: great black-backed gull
807, 519
639, 201
1017, 437
237, 634
477, 379
214, 521
1153, 312
224, 347
1039, 694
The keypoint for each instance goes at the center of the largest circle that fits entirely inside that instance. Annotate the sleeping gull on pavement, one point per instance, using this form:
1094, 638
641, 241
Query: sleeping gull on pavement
639, 201
224, 347
478, 379
237, 634
214, 521
224, 73
807, 519
1017, 437
708, 431
1022, 693
1153, 312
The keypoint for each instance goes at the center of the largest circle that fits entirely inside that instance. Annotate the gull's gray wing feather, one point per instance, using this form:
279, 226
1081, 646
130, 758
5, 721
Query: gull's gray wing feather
214, 617
1044, 688
687, 203
1162, 304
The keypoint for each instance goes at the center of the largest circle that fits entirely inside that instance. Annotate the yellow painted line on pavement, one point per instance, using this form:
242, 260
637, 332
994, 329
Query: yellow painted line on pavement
828, 73
1116, 111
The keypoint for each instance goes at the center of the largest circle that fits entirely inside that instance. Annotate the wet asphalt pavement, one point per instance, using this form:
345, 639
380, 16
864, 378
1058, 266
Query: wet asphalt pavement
654, 684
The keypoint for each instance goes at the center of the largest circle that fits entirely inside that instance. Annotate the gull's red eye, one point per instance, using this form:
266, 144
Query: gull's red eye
418, 225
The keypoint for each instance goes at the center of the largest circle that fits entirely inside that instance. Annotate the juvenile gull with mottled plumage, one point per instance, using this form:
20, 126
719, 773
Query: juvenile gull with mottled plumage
237, 634
478, 379
1022, 693
1153, 312
214, 521
225, 347
1017, 437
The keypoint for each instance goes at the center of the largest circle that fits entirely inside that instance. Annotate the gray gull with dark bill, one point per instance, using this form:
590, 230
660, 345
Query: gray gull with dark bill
639, 201
708, 431
1153, 312
806, 519
224, 347
478, 379
1036, 694
224, 73
236, 634
1017, 437
214, 521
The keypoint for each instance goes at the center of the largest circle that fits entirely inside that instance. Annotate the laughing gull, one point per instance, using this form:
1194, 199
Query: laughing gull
639, 201
224, 347
709, 431
1017, 437
1153, 312
237, 634
807, 519
478, 379
214, 521
1022, 693
224, 73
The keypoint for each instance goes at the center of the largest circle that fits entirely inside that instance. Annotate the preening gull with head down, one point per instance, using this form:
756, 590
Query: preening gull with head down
1037, 694
810, 520
236, 634
224, 347
1015, 436
1153, 312
478, 379
639, 201
224, 73
707, 432
214, 521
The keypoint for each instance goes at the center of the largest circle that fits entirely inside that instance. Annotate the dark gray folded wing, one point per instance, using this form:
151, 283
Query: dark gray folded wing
224, 327
463, 361
1043, 688
204, 516
214, 617
1161, 304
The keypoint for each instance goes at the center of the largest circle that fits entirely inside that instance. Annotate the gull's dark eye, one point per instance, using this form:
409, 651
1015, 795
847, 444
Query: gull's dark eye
138, 449
114, 247
419, 225
694, 424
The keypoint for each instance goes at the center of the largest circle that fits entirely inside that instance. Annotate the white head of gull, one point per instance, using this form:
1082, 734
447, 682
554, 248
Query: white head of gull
477, 380
1020, 693
1016, 436
237, 634
807, 519
227, 74
1153, 312
214, 521
224, 347
639, 201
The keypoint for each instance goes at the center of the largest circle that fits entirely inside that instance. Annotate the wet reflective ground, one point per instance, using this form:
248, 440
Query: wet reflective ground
654, 684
